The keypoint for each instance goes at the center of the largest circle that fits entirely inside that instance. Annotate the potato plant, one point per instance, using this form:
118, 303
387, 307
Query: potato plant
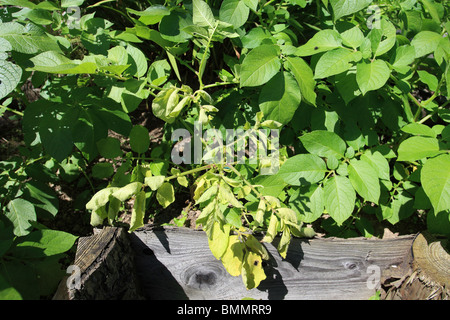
341, 106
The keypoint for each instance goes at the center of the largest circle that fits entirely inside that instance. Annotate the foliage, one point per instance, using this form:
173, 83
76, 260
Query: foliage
358, 90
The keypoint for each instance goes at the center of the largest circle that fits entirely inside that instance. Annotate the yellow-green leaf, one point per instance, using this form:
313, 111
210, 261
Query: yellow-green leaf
165, 195
252, 270
138, 212
233, 257
218, 243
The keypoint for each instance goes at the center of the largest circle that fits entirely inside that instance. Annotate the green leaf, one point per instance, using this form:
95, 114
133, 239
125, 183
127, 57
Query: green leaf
419, 129
302, 169
425, 43
387, 39
218, 240
102, 170
401, 207
234, 12
10, 75
21, 212
43, 243
139, 139
342, 8
27, 39
154, 182
309, 203
280, 98
71, 3
429, 79
202, 14
435, 178
7, 292
372, 75
324, 40
417, 148
353, 37
324, 144
138, 212
54, 62
305, 78
439, 223
165, 194
171, 27
404, 56
260, 65
340, 198
138, 62
335, 62
378, 162
364, 179
151, 15
109, 148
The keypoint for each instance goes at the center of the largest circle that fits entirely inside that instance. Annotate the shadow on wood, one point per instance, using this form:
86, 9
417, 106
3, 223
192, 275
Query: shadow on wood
176, 264
313, 269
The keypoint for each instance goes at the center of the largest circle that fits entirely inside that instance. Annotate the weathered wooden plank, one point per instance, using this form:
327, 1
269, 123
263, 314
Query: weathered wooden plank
173, 263
104, 269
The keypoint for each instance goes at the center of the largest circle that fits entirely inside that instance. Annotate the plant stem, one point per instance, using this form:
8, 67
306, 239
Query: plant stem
202, 66
245, 181
207, 167
12, 110
218, 84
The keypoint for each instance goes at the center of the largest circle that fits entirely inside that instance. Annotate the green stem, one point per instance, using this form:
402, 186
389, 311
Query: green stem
246, 182
207, 167
12, 110
87, 178
202, 66
218, 84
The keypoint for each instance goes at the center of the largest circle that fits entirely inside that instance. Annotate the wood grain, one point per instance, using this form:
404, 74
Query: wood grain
174, 263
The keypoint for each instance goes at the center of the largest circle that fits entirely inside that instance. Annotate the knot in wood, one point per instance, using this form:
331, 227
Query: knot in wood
203, 276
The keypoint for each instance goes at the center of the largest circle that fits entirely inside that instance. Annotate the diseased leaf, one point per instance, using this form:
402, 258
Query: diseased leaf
154, 182
127, 191
138, 212
233, 257
165, 195
252, 270
218, 240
